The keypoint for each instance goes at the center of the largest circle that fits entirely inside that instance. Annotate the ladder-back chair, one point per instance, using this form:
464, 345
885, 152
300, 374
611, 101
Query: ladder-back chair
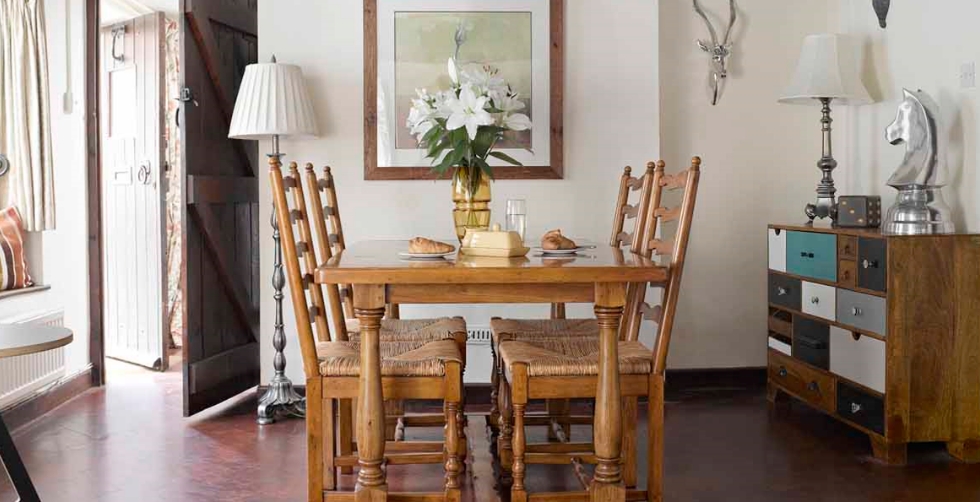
567, 367
409, 370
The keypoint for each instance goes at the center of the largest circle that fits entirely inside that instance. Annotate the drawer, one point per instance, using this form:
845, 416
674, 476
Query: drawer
860, 360
862, 311
810, 254
781, 346
784, 291
847, 273
808, 384
847, 247
861, 407
777, 249
872, 264
819, 300
811, 342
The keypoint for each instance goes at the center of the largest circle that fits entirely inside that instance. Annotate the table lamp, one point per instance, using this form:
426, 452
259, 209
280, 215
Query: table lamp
273, 102
827, 71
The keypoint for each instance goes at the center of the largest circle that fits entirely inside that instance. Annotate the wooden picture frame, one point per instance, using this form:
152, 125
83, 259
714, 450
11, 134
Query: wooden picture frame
554, 169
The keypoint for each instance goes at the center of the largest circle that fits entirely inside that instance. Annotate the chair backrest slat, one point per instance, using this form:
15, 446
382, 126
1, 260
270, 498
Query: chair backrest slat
294, 272
624, 210
324, 247
305, 252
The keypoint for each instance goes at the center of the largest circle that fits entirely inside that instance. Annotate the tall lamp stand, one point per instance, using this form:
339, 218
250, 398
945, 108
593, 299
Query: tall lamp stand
280, 398
826, 206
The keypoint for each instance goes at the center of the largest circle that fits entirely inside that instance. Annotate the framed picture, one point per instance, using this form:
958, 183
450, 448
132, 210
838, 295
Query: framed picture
407, 44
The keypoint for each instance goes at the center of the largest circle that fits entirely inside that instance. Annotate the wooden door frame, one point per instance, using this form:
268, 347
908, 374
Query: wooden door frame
93, 161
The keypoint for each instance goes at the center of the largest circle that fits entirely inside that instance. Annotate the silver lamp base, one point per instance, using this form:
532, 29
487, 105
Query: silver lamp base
919, 211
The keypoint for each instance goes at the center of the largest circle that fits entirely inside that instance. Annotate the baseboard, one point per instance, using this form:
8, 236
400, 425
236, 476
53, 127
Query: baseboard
685, 380
25, 412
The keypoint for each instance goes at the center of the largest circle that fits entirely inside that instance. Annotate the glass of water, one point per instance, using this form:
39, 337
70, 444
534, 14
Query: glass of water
517, 216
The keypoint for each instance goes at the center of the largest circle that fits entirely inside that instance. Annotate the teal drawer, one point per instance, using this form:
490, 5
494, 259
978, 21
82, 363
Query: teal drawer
810, 254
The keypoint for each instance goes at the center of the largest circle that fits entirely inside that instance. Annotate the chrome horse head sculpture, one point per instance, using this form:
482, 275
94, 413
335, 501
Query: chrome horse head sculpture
719, 51
919, 208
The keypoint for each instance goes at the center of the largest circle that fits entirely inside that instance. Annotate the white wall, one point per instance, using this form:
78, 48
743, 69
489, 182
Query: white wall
922, 48
64, 252
759, 167
759, 157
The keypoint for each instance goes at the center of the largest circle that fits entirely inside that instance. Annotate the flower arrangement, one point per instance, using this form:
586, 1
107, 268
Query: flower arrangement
460, 127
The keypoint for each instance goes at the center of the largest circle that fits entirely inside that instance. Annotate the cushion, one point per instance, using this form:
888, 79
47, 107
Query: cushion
13, 261
399, 359
571, 356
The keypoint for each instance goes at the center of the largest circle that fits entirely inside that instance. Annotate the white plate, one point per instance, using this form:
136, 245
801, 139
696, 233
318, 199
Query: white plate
425, 256
561, 252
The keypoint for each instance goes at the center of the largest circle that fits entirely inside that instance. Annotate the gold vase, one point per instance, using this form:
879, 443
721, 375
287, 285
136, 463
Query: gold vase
472, 208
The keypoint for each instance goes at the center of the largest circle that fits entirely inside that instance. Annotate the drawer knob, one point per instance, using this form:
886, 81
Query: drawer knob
782, 372
813, 387
781, 291
856, 312
847, 249
815, 300
869, 263
855, 408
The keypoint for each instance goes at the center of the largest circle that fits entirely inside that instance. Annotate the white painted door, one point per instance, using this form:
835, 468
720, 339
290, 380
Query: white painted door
133, 210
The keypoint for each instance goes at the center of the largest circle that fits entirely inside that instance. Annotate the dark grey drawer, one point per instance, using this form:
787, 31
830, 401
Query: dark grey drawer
861, 407
811, 342
784, 291
872, 264
862, 311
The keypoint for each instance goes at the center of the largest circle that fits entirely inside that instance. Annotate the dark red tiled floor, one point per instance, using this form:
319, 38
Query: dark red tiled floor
128, 442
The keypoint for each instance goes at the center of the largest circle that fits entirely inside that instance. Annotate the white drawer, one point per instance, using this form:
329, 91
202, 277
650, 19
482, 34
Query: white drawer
861, 361
777, 250
819, 300
780, 346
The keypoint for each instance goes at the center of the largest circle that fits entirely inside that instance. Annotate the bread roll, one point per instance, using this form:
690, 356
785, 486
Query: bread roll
421, 245
554, 240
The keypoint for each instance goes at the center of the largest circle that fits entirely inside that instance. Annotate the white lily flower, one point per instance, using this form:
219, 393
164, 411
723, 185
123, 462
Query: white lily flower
509, 103
485, 79
517, 122
469, 111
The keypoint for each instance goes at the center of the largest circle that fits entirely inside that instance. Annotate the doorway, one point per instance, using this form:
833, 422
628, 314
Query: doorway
141, 184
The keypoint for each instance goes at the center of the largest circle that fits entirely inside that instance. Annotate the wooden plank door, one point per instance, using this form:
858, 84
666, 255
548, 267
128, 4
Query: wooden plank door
221, 217
132, 191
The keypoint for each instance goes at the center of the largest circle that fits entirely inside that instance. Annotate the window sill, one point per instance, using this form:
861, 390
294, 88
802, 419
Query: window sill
22, 291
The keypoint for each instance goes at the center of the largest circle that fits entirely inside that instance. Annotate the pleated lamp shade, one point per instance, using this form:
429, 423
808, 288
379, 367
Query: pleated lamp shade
273, 101
828, 68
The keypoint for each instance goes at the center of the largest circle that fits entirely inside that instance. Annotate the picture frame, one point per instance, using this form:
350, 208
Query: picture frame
539, 29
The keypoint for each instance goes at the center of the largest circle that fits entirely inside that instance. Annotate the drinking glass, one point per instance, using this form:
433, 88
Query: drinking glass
517, 216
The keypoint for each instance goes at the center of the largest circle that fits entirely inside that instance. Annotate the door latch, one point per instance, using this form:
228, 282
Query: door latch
144, 174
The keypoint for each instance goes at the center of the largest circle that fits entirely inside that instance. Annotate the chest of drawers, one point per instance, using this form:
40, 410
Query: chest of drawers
880, 332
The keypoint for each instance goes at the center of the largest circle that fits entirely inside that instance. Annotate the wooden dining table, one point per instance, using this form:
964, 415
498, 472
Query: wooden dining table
379, 276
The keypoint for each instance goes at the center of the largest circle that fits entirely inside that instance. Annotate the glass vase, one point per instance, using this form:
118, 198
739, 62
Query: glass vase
472, 206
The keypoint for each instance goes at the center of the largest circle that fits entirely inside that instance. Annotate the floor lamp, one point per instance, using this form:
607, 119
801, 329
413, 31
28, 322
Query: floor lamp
273, 103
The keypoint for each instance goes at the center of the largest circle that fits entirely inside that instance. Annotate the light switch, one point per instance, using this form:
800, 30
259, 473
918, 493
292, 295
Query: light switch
968, 75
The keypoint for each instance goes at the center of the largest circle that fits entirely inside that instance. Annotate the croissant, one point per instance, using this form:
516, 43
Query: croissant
421, 245
554, 240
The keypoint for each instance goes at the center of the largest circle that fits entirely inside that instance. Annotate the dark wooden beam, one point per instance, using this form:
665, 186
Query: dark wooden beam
93, 158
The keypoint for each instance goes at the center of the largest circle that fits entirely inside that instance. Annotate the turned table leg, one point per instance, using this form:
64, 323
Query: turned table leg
607, 483
369, 306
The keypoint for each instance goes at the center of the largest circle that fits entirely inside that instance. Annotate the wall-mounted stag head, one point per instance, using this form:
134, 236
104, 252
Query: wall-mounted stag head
719, 50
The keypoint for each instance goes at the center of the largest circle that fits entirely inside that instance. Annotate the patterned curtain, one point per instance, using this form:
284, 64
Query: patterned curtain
25, 130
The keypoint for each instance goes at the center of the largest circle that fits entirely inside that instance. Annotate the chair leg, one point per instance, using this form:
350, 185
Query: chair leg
329, 446
494, 394
518, 493
655, 440
504, 441
452, 433
346, 428
630, 411
314, 444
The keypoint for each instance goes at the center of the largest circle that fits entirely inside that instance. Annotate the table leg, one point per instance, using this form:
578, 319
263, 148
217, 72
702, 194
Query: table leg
15, 467
369, 306
607, 483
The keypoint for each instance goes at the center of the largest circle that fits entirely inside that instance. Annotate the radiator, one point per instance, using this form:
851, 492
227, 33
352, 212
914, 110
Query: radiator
479, 360
22, 376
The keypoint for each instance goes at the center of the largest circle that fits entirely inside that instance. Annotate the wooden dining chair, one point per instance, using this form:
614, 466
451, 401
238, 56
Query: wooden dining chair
567, 367
415, 369
557, 411
330, 241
